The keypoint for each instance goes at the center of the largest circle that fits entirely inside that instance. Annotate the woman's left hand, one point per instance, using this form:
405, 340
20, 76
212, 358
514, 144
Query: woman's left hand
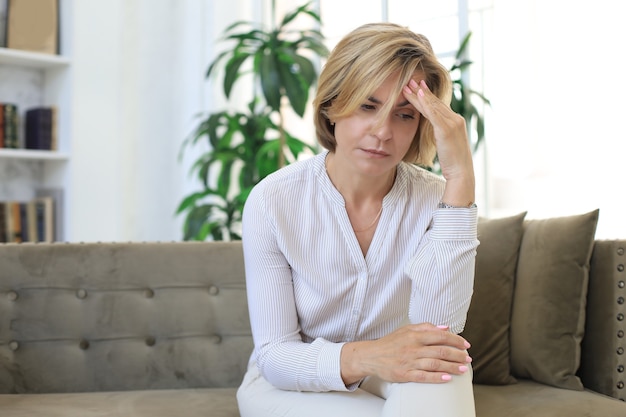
453, 150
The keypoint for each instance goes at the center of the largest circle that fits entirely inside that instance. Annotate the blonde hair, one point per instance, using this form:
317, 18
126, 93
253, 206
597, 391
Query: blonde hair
360, 63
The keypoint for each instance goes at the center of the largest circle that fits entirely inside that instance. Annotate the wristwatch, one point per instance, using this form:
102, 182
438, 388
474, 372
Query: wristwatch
446, 205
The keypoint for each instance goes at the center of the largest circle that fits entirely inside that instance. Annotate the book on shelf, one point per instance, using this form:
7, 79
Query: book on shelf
31, 220
40, 128
28, 221
12, 222
55, 198
45, 219
3, 223
16, 220
28, 216
33, 25
6, 233
1, 125
9, 125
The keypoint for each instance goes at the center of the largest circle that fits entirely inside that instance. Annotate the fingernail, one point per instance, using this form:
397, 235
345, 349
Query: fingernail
463, 368
468, 359
407, 90
467, 344
442, 327
446, 377
412, 83
420, 93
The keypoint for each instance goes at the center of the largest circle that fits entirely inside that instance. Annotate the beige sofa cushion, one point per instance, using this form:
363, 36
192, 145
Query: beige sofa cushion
529, 398
489, 316
213, 402
548, 318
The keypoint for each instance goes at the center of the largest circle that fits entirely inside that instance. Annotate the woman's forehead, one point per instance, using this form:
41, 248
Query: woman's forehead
390, 88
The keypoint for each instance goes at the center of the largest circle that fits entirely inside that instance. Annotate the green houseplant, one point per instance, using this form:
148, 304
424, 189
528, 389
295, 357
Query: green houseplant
462, 96
246, 146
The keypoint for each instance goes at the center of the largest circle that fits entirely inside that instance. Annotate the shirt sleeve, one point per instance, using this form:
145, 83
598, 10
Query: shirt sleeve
442, 270
283, 358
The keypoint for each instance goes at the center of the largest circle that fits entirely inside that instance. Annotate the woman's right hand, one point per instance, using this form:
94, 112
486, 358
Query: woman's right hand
413, 353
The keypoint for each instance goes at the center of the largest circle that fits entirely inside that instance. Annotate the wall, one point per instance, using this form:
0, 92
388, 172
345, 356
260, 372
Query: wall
138, 72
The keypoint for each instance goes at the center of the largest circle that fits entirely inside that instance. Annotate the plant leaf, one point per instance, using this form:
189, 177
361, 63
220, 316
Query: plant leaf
267, 157
306, 69
196, 219
463, 46
270, 82
253, 37
295, 86
190, 200
289, 17
213, 123
237, 24
214, 63
461, 65
232, 71
314, 44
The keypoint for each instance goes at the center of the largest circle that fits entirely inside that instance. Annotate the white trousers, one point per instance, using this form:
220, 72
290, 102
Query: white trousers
374, 398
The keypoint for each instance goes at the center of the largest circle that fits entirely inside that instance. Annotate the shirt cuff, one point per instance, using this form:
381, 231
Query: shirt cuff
329, 367
457, 224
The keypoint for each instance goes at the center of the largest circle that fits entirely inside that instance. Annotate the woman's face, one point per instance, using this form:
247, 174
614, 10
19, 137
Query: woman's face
373, 146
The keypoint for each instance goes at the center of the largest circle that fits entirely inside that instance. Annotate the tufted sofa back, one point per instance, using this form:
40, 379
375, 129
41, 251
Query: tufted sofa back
115, 317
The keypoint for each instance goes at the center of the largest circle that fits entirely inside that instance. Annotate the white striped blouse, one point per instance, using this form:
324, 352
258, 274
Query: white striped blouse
310, 289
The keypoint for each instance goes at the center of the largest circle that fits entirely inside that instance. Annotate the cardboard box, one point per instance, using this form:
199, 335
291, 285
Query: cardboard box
33, 25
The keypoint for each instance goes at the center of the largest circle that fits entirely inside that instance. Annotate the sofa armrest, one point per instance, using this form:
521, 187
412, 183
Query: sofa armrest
603, 360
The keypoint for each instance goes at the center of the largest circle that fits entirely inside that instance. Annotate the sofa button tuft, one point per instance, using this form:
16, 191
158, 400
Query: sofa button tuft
620, 385
150, 341
620, 251
621, 284
149, 293
13, 345
620, 368
84, 344
12, 295
620, 317
81, 293
620, 300
620, 333
620, 350
620, 267
213, 290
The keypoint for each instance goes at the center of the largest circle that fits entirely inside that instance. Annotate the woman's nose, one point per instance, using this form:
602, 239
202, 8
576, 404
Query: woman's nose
382, 130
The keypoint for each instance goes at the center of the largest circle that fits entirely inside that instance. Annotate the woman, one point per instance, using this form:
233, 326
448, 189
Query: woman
359, 264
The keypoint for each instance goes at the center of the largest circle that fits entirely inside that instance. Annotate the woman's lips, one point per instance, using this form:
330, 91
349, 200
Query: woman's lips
375, 152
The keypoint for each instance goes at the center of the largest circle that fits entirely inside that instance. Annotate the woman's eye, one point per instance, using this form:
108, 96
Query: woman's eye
405, 116
368, 107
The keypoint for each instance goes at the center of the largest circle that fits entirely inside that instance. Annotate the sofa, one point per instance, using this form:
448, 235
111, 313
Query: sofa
162, 329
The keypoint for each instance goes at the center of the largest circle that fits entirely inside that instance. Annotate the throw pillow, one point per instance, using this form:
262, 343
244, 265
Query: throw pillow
548, 319
489, 315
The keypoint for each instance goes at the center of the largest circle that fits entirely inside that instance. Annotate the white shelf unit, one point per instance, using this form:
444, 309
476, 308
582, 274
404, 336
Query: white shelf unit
33, 155
31, 79
31, 59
